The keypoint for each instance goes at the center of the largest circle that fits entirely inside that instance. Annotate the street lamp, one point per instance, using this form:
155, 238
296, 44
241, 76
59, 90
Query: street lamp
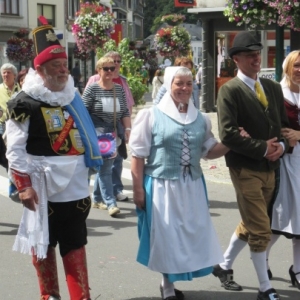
124, 28
131, 30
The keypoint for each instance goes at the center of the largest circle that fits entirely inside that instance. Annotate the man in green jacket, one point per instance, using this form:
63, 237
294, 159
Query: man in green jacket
256, 104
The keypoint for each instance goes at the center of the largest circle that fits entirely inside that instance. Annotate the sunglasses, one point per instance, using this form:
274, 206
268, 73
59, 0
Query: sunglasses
117, 61
106, 69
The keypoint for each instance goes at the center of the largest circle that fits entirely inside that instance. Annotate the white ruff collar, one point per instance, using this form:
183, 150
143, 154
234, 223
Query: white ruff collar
34, 87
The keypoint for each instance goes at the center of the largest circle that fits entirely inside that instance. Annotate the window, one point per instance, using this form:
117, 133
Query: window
48, 11
73, 8
10, 7
121, 17
199, 51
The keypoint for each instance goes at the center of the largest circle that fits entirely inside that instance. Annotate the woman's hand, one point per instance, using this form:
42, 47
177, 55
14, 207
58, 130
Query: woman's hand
139, 198
293, 136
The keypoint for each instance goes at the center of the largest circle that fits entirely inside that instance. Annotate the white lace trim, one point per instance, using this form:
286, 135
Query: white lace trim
34, 87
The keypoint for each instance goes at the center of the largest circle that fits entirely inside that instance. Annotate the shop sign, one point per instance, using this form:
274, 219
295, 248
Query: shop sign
267, 73
184, 3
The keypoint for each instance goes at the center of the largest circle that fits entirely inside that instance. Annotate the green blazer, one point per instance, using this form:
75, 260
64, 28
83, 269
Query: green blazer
238, 106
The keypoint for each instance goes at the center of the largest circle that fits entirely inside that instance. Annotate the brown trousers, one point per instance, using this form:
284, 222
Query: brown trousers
254, 192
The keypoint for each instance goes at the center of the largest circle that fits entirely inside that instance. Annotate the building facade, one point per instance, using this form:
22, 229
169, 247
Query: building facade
16, 14
13, 16
53, 11
130, 13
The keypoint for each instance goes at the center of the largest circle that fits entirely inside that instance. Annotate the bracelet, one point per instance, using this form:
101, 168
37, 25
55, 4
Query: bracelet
21, 180
128, 128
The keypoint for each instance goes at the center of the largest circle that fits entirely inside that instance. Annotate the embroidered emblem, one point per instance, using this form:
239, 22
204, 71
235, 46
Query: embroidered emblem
51, 36
57, 50
64, 138
65, 147
55, 121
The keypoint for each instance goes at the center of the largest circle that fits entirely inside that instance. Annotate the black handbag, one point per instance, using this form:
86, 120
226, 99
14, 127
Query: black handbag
122, 150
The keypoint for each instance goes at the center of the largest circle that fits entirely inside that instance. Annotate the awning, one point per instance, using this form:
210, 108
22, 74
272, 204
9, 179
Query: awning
205, 9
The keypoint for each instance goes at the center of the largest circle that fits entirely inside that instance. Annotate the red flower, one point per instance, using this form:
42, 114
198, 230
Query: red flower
99, 9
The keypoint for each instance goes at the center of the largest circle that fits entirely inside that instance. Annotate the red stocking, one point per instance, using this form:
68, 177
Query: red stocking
76, 274
47, 274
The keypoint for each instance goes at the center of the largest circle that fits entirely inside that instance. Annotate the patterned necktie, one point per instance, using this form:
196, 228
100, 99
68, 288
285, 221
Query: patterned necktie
260, 94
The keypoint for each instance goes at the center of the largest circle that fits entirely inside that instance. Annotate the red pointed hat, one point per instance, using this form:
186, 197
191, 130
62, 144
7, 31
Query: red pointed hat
46, 43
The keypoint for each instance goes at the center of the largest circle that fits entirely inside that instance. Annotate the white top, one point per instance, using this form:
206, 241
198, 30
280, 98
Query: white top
286, 209
156, 84
199, 75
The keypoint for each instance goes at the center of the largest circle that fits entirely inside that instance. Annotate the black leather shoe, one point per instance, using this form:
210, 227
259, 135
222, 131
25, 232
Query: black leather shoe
270, 294
226, 278
179, 295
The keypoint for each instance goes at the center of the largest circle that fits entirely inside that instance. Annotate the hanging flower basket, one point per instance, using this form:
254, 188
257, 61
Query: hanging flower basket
93, 26
20, 48
288, 13
21, 33
173, 19
82, 55
172, 41
253, 13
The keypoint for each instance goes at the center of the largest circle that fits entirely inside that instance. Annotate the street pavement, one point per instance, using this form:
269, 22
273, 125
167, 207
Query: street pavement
112, 247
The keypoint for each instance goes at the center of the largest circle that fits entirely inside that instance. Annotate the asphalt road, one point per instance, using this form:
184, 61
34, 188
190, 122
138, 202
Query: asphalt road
111, 253
112, 247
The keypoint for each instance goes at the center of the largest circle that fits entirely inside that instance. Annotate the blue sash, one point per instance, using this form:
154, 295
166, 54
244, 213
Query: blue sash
86, 130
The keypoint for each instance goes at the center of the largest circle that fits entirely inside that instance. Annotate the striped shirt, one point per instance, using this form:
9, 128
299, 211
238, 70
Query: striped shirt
100, 102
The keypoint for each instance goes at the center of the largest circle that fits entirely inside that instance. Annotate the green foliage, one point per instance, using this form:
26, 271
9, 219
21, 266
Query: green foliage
138, 89
154, 11
130, 65
155, 25
108, 46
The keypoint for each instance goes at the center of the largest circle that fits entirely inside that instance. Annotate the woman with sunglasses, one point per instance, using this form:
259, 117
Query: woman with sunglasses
99, 101
118, 78
122, 151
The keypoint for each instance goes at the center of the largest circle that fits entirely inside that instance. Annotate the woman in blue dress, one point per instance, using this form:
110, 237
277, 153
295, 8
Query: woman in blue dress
177, 237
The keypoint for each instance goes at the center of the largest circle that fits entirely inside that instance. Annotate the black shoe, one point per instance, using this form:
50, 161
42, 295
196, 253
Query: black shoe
179, 295
226, 278
270, 294
294, 280
270, 275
